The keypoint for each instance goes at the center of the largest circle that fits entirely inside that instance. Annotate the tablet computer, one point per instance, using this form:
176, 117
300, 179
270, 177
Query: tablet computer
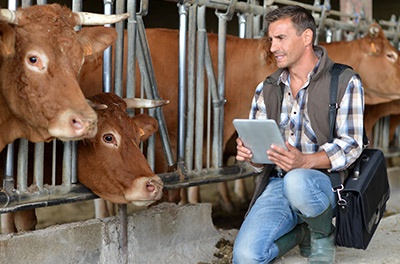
258, 135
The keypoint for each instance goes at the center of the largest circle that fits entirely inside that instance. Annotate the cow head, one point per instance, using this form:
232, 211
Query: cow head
111, 164
41, 57
379, 67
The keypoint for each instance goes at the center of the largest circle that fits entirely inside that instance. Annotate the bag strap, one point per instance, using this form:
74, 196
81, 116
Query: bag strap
335, 71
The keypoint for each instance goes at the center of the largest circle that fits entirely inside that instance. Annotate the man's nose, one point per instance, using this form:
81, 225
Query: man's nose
273, 47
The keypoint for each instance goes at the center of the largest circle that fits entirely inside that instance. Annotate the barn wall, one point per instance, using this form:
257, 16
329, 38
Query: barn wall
166, 233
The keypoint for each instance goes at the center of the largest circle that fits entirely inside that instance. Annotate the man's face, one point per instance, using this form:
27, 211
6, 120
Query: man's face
287, 46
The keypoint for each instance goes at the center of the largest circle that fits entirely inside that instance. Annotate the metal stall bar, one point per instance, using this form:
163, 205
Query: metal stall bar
199, 119
131, 52
323, 16
394, 30
147, 77
243, 7
107, 54
174, 180
222, 28
183, 17
22, 167
147, 72
190, 88
119, 50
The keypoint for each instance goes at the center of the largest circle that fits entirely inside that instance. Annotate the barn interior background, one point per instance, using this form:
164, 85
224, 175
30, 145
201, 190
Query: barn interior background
165, 14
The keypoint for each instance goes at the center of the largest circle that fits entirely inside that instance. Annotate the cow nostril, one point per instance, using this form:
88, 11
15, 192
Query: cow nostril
150, 187
77, 123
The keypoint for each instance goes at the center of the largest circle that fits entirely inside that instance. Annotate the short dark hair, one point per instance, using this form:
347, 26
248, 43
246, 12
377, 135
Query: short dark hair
300, 17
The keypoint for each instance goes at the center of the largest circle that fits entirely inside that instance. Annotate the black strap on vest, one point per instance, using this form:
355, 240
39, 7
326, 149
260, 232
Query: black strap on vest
335, 71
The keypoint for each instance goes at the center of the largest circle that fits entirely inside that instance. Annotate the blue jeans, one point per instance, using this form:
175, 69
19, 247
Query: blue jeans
305, 191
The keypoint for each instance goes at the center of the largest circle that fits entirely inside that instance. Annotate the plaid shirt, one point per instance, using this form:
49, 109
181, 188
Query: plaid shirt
296, 128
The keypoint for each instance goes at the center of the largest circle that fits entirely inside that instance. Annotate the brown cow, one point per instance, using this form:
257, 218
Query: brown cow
248, 62
41, 56
111, 164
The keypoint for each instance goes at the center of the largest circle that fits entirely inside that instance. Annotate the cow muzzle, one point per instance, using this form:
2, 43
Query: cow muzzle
72, 125
145, 191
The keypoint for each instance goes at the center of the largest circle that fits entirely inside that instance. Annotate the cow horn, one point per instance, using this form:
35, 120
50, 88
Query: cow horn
144, 103
9, 16
373, 31
92, 19
96, 106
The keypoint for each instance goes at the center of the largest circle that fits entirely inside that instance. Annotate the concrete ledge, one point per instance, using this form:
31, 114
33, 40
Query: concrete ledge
166, 233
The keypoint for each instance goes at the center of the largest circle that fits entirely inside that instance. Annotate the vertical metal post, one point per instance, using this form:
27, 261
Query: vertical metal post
183, 13
26, 3
199, 120
131, 52
242, 25
22, 168
191, 87
107, 61
66, 164
222, 24
119, 50
38, 166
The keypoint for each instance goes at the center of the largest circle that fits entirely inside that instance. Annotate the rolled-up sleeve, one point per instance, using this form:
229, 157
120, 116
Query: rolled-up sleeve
257, 110
348, 143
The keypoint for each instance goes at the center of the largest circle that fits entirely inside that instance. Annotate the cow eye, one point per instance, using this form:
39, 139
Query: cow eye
33, 59
36, 62
109, 139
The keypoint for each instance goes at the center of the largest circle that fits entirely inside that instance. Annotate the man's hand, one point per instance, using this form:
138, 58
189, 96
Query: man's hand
243, 153
292, 158
287, 160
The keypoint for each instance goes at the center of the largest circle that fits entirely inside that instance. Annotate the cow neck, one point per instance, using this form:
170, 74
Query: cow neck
10, 127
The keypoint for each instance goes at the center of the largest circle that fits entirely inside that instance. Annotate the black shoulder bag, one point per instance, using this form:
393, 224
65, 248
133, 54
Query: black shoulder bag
362, 197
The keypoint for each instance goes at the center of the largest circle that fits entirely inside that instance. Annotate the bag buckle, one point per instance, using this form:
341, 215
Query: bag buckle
341, 202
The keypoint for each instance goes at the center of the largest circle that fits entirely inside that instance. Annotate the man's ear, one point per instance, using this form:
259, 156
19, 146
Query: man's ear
308, 37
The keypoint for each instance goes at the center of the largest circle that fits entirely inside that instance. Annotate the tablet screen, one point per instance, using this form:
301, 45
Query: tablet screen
258, 135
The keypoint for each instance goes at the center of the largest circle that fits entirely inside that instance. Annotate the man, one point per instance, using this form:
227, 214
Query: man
294, 204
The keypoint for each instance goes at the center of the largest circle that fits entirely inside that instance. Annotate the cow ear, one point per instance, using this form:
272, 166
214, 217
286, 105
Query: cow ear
146, 124
95, 40
7, 40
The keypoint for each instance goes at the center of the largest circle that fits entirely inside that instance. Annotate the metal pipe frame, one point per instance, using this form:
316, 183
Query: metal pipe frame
53, 195
183, 21
199, 118
191, 80
148, 78
184, 179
